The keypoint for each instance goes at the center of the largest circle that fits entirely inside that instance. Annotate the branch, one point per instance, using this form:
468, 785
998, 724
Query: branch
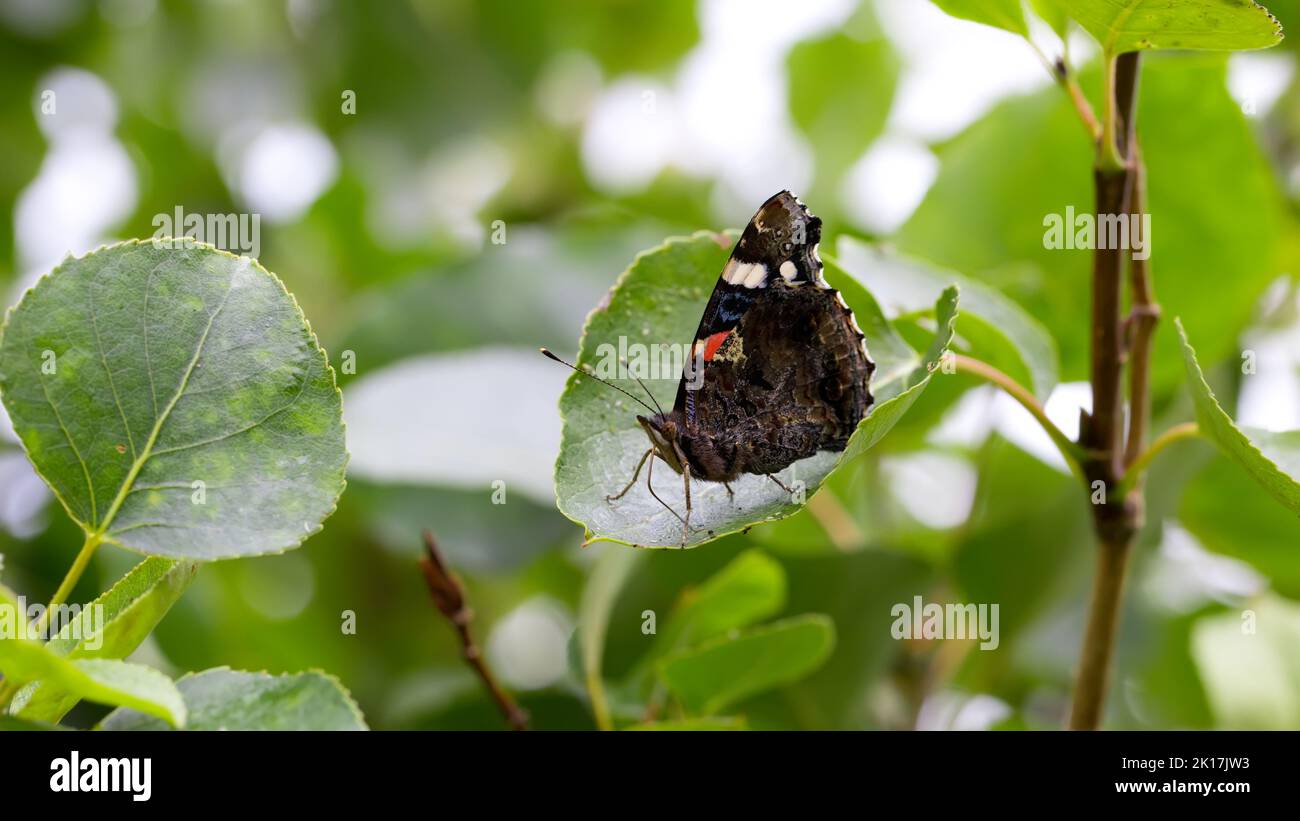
1102, 430
1144, 314
1099, 637
1117, 519
1061, 71
448, 594
1081, 106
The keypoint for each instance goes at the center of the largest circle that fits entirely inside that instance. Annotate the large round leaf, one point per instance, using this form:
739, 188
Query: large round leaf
176, 401
658, 301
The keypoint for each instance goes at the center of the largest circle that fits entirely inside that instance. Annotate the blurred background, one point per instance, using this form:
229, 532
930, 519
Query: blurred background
444, 185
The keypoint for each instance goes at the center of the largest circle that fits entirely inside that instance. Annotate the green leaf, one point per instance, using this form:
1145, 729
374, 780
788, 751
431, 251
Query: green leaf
659, 301
9, 724
225, 699
1003, 14
1166, 688
1223, 508
1215, 25
749, 589
1271, 459
1053, 14
1017, 343
139, 370
842, 88
1250, 668
709, 678
130, 610
24, 659
857, 591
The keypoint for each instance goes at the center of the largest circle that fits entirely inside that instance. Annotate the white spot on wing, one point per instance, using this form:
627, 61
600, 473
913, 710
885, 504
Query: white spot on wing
739, 272
788, 271
757, 276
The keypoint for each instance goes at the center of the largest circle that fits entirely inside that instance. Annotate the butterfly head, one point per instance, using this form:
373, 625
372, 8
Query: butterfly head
663, 430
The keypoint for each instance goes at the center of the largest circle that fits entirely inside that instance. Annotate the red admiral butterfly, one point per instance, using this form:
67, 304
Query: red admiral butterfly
784, 366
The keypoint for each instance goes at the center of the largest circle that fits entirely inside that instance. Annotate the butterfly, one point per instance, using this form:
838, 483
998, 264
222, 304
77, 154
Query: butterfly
778, 369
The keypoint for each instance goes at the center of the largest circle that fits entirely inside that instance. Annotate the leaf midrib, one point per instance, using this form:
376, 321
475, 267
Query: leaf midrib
138, 464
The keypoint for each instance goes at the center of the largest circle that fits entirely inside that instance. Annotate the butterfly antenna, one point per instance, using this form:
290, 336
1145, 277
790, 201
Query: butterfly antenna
623, 362
550, 355
648, 393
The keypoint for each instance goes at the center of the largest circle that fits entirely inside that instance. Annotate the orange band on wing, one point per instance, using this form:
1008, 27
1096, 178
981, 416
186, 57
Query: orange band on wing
712, 344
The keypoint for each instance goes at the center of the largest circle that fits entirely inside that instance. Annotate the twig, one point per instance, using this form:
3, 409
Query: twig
1144, 314
1187, 430
449, 596
1028, 401
1061, 73
1081, 106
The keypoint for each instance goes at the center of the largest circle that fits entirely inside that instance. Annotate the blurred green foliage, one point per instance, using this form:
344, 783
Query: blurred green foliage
439, 82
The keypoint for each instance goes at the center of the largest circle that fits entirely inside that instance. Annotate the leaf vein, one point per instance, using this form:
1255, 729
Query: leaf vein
138, 464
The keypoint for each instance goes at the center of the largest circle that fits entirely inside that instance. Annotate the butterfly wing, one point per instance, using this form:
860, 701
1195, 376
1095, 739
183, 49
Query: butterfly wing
778, 369
780, 241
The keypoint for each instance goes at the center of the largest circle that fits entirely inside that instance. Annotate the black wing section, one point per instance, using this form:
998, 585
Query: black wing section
778, 248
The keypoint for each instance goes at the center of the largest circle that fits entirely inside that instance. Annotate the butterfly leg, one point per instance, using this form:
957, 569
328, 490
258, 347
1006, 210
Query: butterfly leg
631, 481
686, 483
780, 484
649, 485
731, 494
